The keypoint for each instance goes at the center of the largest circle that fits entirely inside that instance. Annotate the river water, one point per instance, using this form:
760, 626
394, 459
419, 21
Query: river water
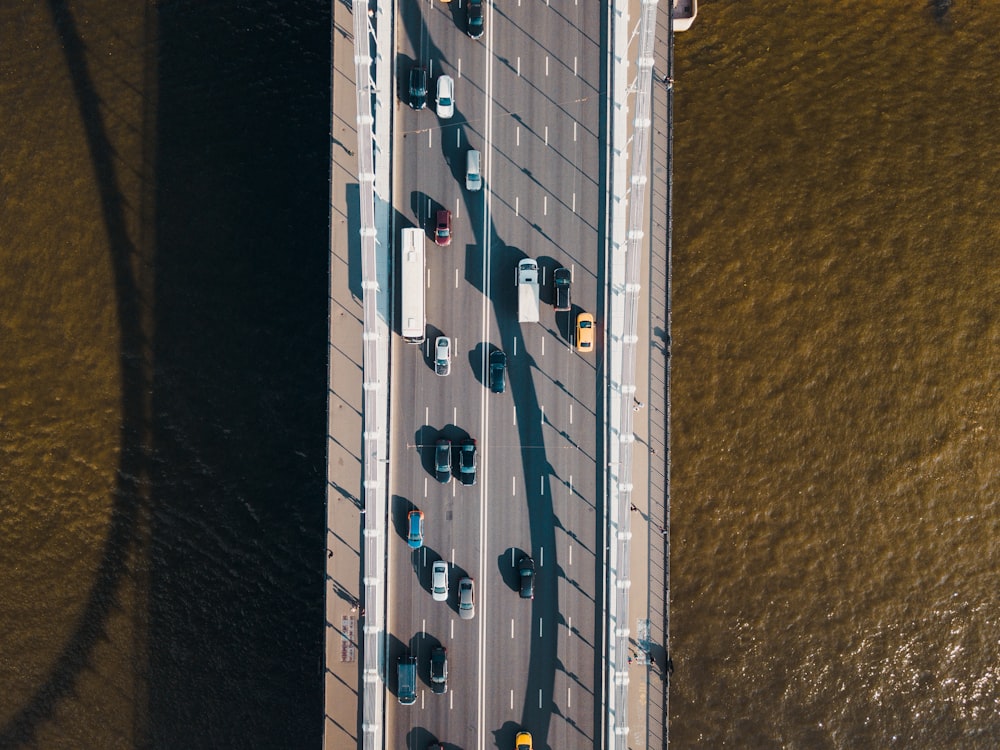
163, 207
163, 282
836, 373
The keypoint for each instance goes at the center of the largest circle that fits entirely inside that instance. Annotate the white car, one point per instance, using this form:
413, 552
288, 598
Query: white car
439, 581
445, 97
442, 355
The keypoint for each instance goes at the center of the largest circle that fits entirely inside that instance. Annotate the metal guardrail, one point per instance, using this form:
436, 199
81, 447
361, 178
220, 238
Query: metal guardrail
624, 258
372, 71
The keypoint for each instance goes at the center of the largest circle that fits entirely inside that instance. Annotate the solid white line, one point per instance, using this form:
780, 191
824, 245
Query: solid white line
569, 626
428, 278
574, 130
459, 68
430, 138
541, 630
517, 211
546, 57
452, 623
458, 137
515, 416
571, 554
512, 692
539, 698
546, 135
454, 415
545, 205
574, 65
543, 346
512, 628
451, 699
427, 410
541, 557
517, 135
458, 207
518, 66
571, 485
515, 346
541, 482
569, 697
571, 413
423, 628
574, 202
425, 487
456, 278
513, 486
453, 556
543, 414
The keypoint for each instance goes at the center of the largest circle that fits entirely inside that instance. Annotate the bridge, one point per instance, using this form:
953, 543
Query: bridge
573, 459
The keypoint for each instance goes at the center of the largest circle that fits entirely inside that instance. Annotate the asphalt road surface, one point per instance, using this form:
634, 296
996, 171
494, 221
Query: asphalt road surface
527, 95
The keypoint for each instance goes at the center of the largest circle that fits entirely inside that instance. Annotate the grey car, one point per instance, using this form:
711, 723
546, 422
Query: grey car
442, 460
466, 599
439, 670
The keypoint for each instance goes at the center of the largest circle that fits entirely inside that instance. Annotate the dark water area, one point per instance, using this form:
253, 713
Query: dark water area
239, 405
165, 371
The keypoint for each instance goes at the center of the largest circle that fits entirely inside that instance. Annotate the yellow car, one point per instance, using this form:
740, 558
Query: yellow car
585, 332
522, 741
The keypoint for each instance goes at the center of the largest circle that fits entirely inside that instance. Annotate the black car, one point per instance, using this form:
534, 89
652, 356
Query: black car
439, 670
498, 371
561, 279
474, 18
442, 460
418, 87
467, 461
526, 573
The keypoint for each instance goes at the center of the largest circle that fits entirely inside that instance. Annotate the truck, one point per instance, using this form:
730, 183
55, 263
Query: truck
527, 291
561, 279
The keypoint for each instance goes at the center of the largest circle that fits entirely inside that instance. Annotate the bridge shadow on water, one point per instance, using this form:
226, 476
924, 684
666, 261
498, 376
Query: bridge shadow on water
222, 312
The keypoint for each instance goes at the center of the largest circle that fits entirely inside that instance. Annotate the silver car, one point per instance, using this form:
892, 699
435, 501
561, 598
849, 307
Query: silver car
439, 581
442, 355
466, 599
445, 97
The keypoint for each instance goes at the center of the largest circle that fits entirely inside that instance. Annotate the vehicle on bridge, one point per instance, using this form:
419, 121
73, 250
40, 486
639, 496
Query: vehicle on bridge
467, 462
439, 670
445, 97
442, 355
473, 170
498, 371
442, 460
442, 234
415, 524
439, 581
561, 280
526, 575
527, 291
466, 598
474, 18
418, 87
585, 332
412, 284
406, 680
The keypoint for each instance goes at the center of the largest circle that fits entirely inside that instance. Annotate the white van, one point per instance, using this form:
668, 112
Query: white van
473, 175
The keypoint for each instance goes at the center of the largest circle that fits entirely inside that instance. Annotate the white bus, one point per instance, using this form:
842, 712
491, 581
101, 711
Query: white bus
411, 276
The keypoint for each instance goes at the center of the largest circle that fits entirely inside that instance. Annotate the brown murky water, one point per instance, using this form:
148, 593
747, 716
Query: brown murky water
163, 217
836, 453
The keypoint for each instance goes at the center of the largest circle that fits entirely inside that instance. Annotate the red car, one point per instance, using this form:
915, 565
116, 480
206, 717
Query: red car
442, 235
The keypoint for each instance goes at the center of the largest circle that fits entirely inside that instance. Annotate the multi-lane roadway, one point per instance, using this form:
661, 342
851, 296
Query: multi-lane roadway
528, 95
